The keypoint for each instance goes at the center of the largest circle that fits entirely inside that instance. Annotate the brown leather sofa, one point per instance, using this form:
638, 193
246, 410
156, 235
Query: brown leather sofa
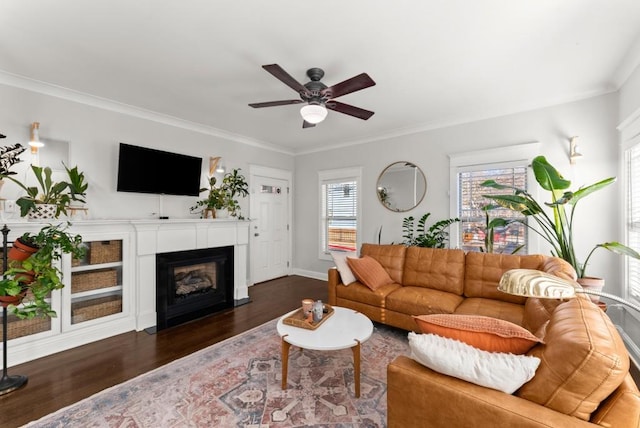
583, 379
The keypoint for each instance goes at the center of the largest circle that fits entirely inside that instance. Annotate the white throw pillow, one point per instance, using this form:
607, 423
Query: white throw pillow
340, 260
496, 370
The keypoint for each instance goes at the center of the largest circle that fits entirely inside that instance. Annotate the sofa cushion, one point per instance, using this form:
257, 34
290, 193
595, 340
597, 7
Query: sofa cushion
435, 268
504, 372
358, 292
391, 257
484, 270
420, 300
583, 360
511, 312
486, 333
340, 260
369, 272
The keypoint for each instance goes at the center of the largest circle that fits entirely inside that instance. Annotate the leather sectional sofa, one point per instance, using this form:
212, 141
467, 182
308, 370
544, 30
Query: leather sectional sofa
583, 378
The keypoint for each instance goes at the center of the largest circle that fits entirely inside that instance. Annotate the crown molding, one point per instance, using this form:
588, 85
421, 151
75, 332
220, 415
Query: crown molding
33, 85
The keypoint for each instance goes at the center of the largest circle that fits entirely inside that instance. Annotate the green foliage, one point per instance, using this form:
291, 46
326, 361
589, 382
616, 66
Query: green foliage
490, 226
60, 193
9, 157
52, 242
436, 236
557, 228
224, 196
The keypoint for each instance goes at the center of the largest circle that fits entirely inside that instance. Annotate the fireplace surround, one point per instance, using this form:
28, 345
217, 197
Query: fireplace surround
192, 284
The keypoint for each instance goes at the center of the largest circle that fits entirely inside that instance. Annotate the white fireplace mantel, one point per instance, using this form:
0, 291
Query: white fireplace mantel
163, 236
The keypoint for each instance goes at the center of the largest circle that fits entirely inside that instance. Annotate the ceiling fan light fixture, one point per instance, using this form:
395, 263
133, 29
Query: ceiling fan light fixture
313, 113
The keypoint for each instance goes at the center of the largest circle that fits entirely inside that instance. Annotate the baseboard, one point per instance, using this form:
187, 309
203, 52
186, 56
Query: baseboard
310, 274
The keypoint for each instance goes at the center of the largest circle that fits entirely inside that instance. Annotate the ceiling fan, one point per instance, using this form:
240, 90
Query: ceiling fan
317, 96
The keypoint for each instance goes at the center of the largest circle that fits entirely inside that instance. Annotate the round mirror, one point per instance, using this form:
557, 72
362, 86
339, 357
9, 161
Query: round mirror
401, 186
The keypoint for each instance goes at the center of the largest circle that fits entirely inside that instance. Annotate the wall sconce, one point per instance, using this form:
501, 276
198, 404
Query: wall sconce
574, 152
34, 141
214, 167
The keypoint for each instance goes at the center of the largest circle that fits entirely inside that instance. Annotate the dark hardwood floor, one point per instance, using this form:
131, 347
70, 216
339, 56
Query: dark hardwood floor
62, 379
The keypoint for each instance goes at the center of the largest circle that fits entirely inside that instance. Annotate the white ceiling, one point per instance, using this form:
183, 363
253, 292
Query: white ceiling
197, 63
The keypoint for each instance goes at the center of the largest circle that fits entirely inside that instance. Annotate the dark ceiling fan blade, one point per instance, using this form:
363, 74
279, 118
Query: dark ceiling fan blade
279, 73
356, 83
306, 124
358, 112
275, 103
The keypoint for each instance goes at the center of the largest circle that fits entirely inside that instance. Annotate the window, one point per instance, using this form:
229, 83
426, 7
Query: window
632, 156
506, 165
473, 218
339, 210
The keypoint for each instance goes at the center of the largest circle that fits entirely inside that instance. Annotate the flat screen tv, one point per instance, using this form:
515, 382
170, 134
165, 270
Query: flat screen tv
145, 170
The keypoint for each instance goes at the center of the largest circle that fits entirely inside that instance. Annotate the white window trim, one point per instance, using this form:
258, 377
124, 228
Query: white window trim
355, 174
629, 137
472, 160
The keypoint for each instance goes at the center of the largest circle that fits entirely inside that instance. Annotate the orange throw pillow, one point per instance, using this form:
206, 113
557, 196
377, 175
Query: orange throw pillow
369, 272
486, 333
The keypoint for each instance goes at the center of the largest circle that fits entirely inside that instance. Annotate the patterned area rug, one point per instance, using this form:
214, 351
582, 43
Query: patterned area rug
237, 383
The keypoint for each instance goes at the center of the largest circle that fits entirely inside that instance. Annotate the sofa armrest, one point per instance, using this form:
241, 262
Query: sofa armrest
420, 397
333, 280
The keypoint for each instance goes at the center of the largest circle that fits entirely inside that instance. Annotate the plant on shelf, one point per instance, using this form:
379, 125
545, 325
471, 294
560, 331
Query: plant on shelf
34, 278
555, 228
58, 194
436, 236
224, 196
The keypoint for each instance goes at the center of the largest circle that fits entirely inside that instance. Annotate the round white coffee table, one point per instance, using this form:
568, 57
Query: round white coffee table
346, 328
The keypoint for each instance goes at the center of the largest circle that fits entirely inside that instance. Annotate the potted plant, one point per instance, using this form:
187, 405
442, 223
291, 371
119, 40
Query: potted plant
51, 242
436, 236
224, 196
234, 184
8, 158
215, 200
555, 228
53, 196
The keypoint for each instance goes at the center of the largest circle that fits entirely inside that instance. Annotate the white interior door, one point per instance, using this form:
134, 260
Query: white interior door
270, 227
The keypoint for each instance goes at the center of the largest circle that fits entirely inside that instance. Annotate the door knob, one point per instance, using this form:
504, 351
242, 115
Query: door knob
256, 234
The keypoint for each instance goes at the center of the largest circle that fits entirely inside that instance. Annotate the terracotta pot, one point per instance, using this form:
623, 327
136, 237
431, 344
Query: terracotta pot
20, 251
592, 283
11, 300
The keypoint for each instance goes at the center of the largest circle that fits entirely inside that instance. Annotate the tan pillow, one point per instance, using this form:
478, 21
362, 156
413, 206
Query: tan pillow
369, 272
486, 333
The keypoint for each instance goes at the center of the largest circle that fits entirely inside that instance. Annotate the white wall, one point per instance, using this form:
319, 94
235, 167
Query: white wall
594, 120
93, 135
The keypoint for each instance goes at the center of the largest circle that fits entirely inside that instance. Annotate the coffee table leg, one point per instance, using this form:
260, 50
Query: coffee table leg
285, 361
356, 367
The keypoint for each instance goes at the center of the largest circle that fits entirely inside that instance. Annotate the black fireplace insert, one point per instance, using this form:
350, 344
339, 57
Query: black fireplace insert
192, 284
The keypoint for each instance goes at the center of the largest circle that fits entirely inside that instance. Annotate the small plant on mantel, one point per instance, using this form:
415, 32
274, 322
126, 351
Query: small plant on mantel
34, 278
8, 158
224, 196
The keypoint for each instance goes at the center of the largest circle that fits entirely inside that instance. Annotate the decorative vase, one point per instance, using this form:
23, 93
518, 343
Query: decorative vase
43, 211
209, 212
592, 283
222, 213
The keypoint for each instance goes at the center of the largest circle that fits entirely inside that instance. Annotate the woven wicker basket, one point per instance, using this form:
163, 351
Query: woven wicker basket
95, 308
105, 251
93, 280
19, 328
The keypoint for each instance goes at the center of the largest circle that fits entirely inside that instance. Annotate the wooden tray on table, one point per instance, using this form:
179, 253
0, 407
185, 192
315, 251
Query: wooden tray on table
297, 319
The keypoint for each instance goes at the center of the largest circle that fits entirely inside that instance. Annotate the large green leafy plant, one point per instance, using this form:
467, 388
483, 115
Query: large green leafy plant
556, 226
435, 236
